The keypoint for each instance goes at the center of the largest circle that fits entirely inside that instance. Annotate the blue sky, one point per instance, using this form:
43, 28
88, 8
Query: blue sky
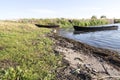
14, 9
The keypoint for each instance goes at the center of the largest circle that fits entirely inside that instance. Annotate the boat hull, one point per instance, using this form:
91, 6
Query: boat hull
47, 26
101, 28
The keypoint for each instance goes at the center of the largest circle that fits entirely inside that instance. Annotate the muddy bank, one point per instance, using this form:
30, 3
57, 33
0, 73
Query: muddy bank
84, 62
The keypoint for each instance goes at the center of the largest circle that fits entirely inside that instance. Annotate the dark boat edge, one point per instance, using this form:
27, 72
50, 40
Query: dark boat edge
47, 26
101, 28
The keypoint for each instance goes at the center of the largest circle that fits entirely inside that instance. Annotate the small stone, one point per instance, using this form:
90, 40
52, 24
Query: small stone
77, 58
94, 70
87, 65
78, 71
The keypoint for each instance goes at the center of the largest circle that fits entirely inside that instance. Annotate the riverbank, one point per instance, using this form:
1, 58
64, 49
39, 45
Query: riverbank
81, 61
26, 52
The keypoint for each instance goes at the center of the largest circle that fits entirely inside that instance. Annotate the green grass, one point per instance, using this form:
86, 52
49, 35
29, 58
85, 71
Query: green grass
26, 53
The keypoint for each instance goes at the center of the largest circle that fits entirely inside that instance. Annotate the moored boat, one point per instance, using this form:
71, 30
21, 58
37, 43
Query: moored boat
99, 28
47, 26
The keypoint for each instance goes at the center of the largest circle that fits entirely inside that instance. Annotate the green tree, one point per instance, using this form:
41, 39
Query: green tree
103, 17
93, 17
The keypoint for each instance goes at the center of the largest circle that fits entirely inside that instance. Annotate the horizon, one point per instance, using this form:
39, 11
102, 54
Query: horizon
72, 9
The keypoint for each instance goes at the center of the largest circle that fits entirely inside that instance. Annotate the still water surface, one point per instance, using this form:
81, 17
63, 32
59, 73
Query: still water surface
102, 39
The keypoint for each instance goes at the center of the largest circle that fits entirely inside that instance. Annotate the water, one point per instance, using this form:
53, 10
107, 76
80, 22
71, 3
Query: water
102, 39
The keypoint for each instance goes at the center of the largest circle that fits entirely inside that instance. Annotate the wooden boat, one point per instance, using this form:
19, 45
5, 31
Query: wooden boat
99, 28
47, 26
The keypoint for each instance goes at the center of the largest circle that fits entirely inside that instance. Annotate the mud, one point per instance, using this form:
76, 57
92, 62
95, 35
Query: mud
85, 62
1, 48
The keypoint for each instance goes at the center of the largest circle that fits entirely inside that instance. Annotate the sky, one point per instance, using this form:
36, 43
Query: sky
15, 9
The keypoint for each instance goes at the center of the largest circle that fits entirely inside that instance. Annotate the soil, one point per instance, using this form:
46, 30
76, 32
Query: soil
85, 62
6, 63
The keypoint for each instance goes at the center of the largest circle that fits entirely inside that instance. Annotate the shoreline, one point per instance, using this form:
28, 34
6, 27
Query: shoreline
82, 61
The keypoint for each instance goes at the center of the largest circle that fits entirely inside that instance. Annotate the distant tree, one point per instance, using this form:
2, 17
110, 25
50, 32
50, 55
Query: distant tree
103, 17
93, 17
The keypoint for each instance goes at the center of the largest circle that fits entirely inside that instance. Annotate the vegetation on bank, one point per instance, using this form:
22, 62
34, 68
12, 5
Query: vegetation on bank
65, 23
26, 53
91, 22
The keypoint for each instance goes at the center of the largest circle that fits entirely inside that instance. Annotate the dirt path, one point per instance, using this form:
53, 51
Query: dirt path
84, 62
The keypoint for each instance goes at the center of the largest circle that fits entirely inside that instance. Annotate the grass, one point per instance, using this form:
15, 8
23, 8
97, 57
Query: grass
26, 53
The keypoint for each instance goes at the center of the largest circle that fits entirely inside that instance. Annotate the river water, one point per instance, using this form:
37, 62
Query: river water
102, 39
